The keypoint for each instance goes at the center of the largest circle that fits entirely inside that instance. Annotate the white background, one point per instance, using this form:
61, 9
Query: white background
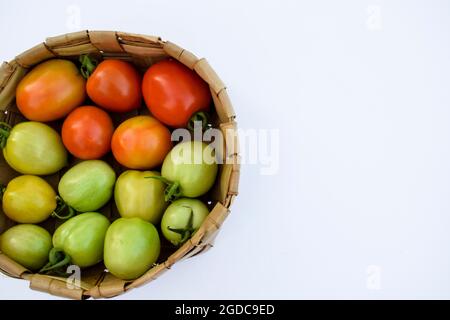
360, 91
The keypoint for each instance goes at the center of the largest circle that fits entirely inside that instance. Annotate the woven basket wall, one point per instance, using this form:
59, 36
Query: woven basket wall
142, 51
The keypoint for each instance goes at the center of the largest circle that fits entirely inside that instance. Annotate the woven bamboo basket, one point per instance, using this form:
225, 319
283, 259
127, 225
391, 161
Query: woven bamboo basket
143, 51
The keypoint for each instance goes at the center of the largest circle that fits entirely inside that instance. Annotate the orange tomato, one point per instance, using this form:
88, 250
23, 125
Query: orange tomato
87, 132
50, 90
115, 86
141, 142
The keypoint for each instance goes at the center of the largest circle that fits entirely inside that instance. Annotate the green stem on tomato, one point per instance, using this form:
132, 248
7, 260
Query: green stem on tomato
2, 190
198, 117
5, 130
57, 259
61, 206
172, 191
187, 231
88, 65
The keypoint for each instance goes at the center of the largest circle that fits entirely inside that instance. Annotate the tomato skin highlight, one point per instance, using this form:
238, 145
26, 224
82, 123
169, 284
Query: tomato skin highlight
88, 185
173, 93
82, 238
138, 196
115, 86
35, 148
27, 244
87, 132
177, 216
28, 199
132, 245
141, 143
50, 90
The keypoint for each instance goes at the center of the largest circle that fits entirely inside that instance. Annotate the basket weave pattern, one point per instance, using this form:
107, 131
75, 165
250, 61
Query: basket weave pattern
143, 51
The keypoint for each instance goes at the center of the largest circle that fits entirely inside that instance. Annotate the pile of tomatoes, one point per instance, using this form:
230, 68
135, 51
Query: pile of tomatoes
157, 191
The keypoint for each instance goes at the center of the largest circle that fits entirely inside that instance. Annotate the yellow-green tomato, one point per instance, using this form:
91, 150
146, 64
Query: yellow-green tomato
82, 238
28, 199
132, 246
190, 168
88, 185
139, 197
34, 148
27, 244
182, 219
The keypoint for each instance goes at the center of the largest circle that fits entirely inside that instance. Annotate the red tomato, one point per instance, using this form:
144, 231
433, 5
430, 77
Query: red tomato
173, 93
115, 86
141, 142
50, 91
87, 132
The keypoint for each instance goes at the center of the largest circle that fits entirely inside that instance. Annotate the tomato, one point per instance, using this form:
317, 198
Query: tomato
88, 185
50, 90
182, 219
115, 86
28, 199
27, 244
139, 197
82, 238
87, 132
141, 142
132, 246
189, 170
174, 93
34, 148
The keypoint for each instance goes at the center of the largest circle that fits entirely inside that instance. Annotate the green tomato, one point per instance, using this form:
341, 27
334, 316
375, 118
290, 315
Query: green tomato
27, 244
28, 199
182, 219
132, 246
190, 170
34, 148
88, 185
139, 197
82, 238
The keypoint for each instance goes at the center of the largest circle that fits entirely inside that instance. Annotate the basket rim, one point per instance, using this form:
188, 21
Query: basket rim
116, 44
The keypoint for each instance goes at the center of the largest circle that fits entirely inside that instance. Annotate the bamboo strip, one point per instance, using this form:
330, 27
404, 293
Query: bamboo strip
55, 287
68, 39
75, 50
11, 267
188, 59
173, 50
149, 276
109, 287
34, 55
229, 130
143, 51
12, 74
105, 41
228, 110
139, 39
207, 73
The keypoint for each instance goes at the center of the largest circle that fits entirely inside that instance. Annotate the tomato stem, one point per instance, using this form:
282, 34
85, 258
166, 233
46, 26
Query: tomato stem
5, 130
187, 231
57, 259
172, 191
2, 190
88, 65
61, 206
199, 119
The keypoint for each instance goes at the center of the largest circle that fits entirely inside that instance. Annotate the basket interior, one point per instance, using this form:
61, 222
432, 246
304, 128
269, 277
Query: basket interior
142, 51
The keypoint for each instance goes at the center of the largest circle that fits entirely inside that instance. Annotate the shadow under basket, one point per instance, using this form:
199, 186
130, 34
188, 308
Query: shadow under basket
142, 51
